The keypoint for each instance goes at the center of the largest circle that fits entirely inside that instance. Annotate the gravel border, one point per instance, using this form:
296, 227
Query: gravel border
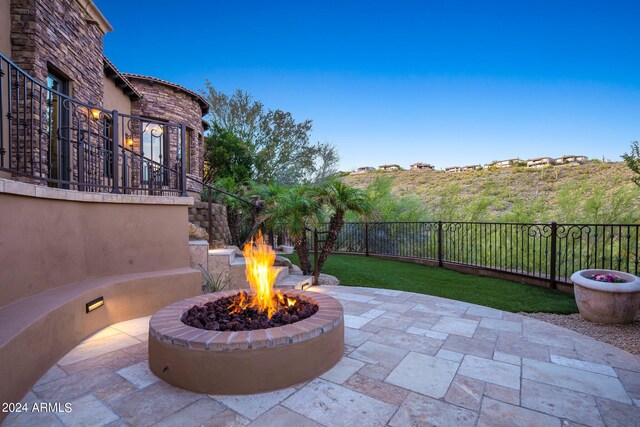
626, 337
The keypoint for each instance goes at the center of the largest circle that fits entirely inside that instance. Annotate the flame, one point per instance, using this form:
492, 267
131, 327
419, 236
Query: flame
261, 275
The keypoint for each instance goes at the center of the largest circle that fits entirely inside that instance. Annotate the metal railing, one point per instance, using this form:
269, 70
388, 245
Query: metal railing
550, 252
50, 138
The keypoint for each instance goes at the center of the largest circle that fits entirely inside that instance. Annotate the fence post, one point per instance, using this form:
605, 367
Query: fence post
440, 264
183, 160
115, 155
209, 217
315, 257
554, 258
366, 239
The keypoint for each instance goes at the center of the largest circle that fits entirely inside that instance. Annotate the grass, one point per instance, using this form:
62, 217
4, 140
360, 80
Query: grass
497, 293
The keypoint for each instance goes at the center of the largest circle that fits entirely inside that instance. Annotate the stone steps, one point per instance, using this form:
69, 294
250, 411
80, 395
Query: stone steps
231, 264
296, 281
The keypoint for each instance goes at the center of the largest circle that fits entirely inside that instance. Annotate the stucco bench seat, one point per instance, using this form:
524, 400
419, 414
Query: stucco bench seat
36, 331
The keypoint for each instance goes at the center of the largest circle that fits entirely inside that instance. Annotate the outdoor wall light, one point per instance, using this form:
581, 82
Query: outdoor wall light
129, 140
95, 303
95, 113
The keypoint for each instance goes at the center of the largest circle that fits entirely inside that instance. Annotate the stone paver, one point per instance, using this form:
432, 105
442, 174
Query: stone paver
491, 371
562, 403
424, 374
581, 364
377, 389
356, 322
134, 327
424, 411
465, 392
456, 326
379, 354
255, 405
501, 325
356, 337
407, 341
410, 359
334, 405
499, 414
139, 375
343, 370
97, 347
575, 379
280, 416
88, 411
204, 412
481, 348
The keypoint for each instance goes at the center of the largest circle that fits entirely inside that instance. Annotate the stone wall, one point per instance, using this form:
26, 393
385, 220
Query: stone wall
199, 215
58, 35
165, 101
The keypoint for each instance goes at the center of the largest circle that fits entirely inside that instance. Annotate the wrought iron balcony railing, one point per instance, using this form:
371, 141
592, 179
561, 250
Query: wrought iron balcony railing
50, 138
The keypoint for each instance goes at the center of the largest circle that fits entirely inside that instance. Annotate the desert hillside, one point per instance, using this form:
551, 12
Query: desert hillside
593, 192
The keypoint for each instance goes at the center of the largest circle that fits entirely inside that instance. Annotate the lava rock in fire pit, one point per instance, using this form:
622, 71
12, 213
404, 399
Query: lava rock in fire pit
220, 315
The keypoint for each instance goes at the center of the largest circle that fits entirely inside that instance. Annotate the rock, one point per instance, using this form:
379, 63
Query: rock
328, 280
197, 233
286, 249
217, 244
282, 262
294, 269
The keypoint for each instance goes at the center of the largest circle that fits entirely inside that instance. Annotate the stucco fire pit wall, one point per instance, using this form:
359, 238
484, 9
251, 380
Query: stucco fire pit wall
245, 362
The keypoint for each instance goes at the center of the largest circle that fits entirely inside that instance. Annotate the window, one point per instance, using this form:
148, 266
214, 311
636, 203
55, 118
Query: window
154, 152
57, 123
107, 138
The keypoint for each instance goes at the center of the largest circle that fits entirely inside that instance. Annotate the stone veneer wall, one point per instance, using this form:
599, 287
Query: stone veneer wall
56, 34
198, 214
164, 102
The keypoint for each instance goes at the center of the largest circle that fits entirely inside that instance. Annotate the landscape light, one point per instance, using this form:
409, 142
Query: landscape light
95, 303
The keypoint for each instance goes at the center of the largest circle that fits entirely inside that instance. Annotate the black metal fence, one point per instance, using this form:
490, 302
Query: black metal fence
551, 252
48, 137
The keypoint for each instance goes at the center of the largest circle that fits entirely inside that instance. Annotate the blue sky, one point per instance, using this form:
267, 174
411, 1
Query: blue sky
444, 82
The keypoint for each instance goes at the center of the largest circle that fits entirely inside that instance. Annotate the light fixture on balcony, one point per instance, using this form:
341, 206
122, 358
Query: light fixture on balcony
95, 113
94, 304
129, 140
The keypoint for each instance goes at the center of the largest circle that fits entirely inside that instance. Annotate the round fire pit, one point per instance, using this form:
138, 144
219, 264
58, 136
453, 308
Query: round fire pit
245, 362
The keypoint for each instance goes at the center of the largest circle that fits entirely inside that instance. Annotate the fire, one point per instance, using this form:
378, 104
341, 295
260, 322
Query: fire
261, 275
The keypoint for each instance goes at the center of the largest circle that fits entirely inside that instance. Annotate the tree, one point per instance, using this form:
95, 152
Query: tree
633, 161
325, 163
283, 152
340, 198
295, 211
279, 145
239, 113
227, 156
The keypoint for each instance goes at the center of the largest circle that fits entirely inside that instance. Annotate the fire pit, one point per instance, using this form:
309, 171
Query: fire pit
245, 343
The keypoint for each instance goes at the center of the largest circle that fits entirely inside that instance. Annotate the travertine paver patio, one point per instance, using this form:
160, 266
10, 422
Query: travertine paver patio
409, 360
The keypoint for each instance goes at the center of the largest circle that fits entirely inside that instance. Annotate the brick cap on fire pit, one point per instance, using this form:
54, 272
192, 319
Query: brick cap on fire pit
165, 326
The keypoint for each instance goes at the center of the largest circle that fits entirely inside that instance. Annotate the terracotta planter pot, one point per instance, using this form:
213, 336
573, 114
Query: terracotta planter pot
603, 302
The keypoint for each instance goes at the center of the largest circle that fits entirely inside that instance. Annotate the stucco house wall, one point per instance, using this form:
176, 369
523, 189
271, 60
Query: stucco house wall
114, 98
5, 27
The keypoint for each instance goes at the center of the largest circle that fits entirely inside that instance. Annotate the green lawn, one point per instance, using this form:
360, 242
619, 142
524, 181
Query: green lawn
501, 294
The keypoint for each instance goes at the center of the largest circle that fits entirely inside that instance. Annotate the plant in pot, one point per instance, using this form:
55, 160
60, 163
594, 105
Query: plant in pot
606, 296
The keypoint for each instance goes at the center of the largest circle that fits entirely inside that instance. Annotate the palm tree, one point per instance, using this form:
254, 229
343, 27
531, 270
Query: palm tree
295, 210
340, 198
